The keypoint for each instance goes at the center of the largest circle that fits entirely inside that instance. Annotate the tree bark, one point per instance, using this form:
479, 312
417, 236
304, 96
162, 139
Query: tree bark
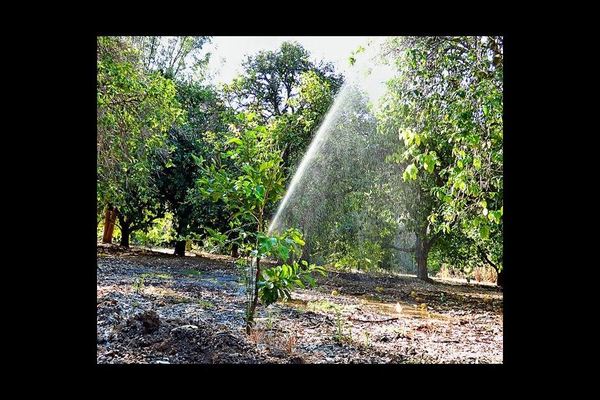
125, 231
500, 280
181, 230
250, 322
235, 250
500, 274
250, 317
180, 248
109, 224
422, 247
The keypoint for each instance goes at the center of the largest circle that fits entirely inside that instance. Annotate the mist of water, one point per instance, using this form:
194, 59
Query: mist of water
343, 186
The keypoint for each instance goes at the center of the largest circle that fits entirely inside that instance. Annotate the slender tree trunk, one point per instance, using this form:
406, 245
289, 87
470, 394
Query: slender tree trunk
181, 227
422, 247
125, 231
180, 248
235, 248
109, 224
250, 321
500, 279
500, 274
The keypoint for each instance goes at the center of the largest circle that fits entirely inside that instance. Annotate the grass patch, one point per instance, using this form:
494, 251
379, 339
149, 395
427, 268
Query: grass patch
205, 304
156, 276
192, 273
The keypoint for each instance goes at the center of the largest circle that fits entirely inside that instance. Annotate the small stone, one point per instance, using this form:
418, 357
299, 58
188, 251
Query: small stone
188, 327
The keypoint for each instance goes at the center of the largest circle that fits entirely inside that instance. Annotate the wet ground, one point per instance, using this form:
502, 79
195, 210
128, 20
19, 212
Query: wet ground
157, 308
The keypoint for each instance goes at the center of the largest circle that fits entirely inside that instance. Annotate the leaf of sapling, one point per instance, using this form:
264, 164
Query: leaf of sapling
284, 253
259, 192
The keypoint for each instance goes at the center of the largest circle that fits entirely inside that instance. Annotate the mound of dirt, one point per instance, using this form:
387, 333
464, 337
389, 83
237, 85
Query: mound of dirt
175, 341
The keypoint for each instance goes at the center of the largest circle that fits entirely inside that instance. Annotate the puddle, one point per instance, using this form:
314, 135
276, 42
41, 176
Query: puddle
399, 309
402, 309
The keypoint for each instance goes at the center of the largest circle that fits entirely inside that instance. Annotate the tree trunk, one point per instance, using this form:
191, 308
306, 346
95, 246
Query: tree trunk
500, 274
250, 321
235, 250
500, 279
181, 230
422, 247
125, 231
180, 248
109, 224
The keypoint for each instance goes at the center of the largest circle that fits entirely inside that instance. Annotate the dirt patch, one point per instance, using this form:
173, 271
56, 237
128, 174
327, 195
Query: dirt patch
157, 308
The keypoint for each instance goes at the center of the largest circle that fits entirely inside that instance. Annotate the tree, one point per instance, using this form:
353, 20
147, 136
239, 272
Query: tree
253, 182
188, 141
271, 78
286, 88
134, 111
446, 104
295, 131
138, 210
176, 57
247, 187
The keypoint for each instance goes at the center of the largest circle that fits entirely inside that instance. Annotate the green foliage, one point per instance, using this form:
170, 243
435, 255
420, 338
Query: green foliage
322, 306
343, 332
160, 233
245, 176
174, 57
192, 272
154, 275
284, 246
134, 111
206, 304
190, 141
295, 129
285, 88
138, 285
269, 83
277, 282
363, 256
182, 160
447, 106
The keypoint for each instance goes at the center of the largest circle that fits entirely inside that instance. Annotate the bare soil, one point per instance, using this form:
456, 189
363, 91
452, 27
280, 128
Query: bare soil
154, 307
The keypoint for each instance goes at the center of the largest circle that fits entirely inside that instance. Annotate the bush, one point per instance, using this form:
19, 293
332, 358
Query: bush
160, 233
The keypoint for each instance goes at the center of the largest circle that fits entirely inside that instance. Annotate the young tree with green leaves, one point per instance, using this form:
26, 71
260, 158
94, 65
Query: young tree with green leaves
247, 178
246, 175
